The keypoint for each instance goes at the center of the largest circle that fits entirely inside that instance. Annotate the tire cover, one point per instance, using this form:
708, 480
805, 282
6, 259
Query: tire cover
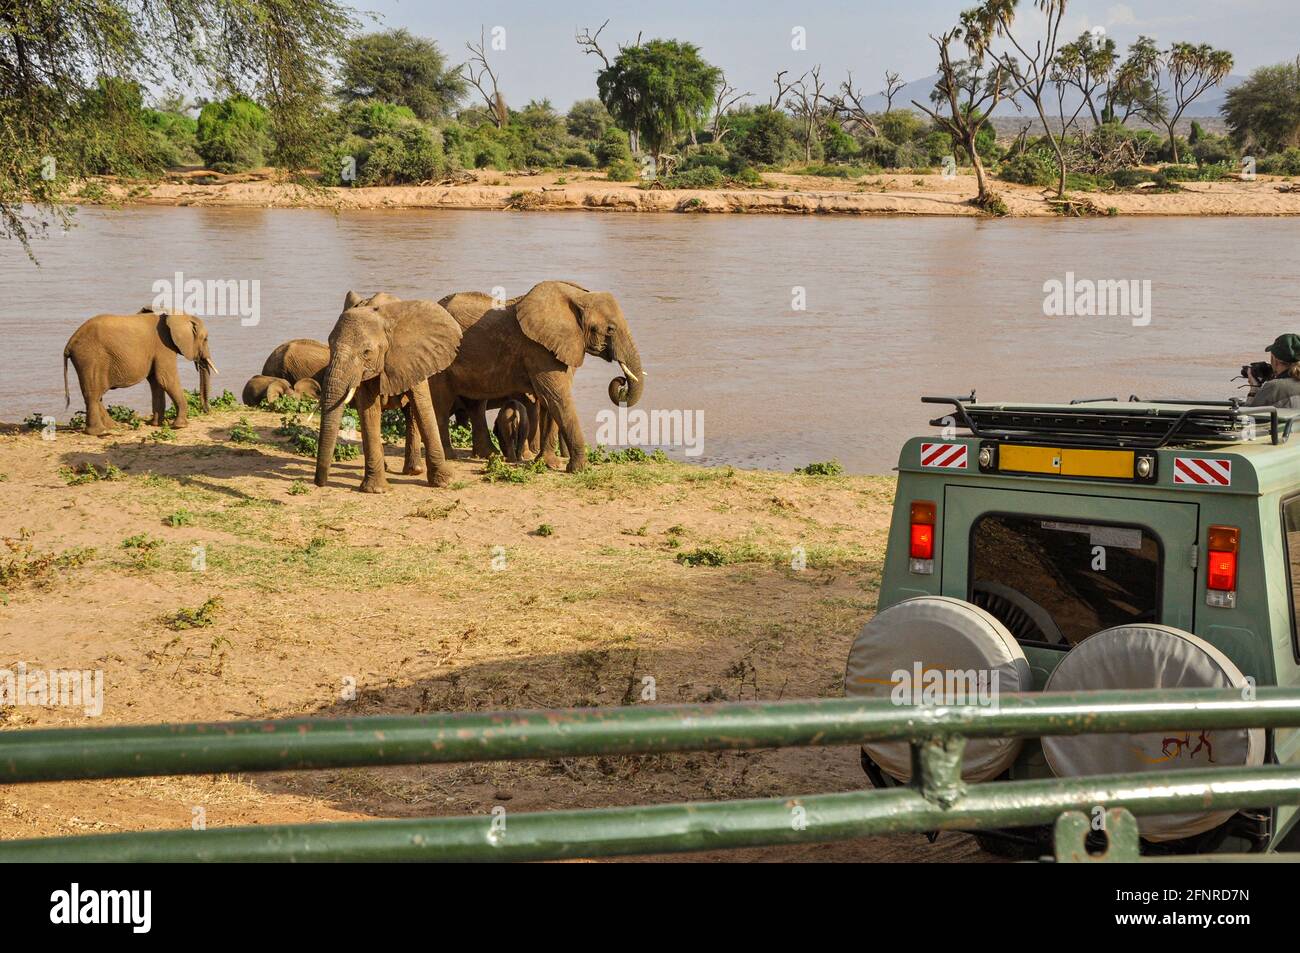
1151, 656
939, 633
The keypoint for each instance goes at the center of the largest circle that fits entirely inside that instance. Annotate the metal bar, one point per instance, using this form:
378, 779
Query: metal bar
680, 827
300, 743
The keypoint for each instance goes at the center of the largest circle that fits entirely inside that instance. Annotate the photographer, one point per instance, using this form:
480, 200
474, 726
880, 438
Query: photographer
1282, 388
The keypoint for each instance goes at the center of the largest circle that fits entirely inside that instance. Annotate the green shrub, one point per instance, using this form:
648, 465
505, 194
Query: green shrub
244, 432
304, 440
1280, 163
233, 135
622, 170
580, 158
767, 139
702, 556
825, 468
125, 415
701, 177
205, 615
1031, 168
612, 147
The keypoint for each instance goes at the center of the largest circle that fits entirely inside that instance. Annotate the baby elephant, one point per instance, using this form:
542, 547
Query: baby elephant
308, 387
265, 388
111, 351
512, 430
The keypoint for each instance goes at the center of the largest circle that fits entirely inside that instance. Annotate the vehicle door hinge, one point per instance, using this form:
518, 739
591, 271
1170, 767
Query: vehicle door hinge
1196, 556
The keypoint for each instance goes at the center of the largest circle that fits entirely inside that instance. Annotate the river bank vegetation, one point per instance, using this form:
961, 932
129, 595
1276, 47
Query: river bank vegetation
310, 94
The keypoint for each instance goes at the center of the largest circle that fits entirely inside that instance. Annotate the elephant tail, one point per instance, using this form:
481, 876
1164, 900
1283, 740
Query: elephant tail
67, 398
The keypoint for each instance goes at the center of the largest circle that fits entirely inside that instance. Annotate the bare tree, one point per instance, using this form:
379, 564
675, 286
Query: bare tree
782, 88
847, 105
806, 105
970, 92
893, 83
590, 43
723, 103
482, 77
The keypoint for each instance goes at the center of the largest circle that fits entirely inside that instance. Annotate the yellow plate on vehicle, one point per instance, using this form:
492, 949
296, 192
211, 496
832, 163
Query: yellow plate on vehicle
1067, 461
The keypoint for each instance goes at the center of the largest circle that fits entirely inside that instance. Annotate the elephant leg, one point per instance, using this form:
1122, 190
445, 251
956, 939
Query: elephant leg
159, 401
482, 440
171, 383
443, 403
372, 442
534, 444
414, 465
553, 389
426, 419
548, 431
96, 416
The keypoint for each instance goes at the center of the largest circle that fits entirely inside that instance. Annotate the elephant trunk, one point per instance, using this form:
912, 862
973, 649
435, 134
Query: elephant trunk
203, 383
335, 393
627, 389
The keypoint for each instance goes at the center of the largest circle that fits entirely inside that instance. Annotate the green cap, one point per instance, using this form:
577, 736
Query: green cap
1286, 348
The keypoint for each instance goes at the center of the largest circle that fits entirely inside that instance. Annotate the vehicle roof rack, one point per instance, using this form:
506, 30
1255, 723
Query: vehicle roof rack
1085, 423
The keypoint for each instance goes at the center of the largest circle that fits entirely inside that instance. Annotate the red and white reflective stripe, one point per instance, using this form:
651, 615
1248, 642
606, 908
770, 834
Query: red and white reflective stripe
1202, 471
949, 456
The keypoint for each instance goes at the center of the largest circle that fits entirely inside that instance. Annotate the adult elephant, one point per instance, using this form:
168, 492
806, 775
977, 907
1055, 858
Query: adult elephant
298, 360
381, 349
111, 351
532, 345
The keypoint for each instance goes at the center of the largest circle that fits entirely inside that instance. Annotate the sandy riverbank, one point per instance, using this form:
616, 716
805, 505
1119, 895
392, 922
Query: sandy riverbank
317, 585
885, 194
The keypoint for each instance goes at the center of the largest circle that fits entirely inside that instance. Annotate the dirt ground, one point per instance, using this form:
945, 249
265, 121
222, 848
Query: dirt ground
563, 590
881, 194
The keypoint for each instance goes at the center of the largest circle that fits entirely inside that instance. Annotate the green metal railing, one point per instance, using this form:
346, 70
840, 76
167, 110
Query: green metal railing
937, 799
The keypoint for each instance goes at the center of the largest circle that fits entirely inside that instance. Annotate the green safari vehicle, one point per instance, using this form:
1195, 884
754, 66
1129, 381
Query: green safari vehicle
1100, 544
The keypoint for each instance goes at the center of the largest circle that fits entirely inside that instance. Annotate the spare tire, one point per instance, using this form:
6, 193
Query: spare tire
938, 633
1144, 656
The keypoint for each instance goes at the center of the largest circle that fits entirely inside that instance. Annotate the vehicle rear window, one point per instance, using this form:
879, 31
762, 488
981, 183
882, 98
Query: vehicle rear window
1057, 582
1291, 526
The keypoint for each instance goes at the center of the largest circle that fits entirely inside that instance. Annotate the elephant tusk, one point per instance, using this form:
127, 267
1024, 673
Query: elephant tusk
630, 376
348, 397
213, 368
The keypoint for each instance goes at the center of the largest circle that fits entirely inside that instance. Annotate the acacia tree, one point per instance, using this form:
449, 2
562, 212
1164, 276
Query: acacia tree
1264, 111
53, 54
659, 89
971, 90
1135, 86
396, 67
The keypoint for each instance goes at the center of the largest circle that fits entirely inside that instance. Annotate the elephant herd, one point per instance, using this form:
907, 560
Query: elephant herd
462, 355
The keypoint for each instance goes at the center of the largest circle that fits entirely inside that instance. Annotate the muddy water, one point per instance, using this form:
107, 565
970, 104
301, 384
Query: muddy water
893, 308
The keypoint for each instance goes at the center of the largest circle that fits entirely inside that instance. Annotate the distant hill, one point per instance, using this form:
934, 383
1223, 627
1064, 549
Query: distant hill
1206, 106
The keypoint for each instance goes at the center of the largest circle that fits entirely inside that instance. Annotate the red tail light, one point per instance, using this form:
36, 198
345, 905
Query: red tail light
1221, 578
922, 540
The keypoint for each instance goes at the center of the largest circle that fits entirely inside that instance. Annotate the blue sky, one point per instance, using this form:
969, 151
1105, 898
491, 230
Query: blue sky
752, 40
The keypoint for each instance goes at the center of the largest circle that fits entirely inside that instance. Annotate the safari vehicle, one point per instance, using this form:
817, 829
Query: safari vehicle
1101, 544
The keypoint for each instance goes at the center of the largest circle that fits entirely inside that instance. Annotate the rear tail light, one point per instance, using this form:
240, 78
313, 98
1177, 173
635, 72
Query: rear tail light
921, 537
1221, 579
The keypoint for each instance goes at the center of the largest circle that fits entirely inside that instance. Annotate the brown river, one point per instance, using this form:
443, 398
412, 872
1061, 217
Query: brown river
796, 338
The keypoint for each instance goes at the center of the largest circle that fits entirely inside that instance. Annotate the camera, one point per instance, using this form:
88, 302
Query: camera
1262, 370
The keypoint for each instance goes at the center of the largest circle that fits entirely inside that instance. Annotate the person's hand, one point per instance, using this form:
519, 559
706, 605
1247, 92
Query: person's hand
1250, 378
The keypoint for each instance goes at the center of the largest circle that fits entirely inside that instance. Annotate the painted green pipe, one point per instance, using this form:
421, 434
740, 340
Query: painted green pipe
680, 827
300, 743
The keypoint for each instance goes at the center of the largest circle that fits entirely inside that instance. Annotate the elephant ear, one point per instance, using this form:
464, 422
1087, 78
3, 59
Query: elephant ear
422, 340
551, 315
351, 300
184, 334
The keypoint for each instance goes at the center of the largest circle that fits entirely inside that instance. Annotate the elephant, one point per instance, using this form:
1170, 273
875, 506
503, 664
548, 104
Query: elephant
264, 388
111, 351
532, 345
308, 387
298, 360
512, 430
381, 349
